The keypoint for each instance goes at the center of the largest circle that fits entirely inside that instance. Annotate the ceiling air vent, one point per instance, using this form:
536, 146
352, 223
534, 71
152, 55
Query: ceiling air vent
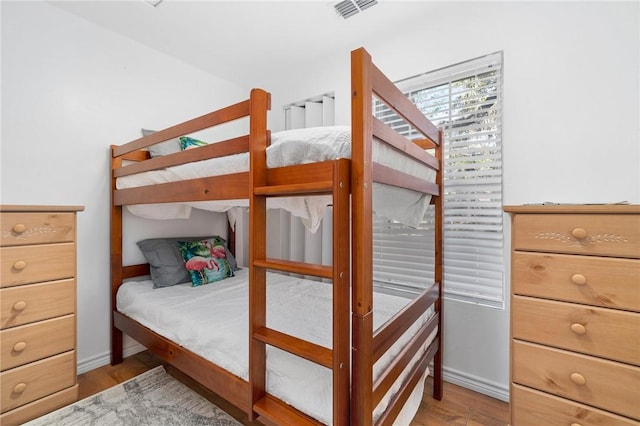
348, 8
153, 3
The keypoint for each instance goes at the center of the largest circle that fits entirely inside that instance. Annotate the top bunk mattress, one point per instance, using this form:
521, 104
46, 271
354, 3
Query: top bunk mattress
212, 321
291, 147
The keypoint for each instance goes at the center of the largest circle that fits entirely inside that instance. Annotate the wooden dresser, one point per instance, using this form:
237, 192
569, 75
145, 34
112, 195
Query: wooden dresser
575, 315
38, 310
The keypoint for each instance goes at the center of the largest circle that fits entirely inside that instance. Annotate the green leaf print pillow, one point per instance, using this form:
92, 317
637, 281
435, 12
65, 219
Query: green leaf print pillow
187, 143
206, 260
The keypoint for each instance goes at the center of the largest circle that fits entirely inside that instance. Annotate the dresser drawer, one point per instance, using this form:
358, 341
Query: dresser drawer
24, 384
31, 342
608, 385
36, 228
34, 302
595, 331
533, 408
29, 264
599, 281
593, 234
40, 407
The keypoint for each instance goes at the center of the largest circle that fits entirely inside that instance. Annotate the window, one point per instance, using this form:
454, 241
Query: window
465, 101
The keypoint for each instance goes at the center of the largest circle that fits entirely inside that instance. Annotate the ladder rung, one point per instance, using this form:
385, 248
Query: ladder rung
302, 348
295, 189
280, 413
302, 268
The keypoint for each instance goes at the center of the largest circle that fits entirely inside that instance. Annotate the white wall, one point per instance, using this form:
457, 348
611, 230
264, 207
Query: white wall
69, 90
571, 121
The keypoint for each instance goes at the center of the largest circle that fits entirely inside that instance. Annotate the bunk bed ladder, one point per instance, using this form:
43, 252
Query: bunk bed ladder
328, 178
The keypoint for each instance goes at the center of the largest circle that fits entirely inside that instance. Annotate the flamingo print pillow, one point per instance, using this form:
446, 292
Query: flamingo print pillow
206, 260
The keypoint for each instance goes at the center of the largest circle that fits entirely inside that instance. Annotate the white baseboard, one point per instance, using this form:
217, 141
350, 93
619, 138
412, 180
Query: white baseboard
477, 384
105, 358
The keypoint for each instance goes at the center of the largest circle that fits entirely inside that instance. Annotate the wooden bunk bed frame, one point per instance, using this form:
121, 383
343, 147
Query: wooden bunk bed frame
355, 395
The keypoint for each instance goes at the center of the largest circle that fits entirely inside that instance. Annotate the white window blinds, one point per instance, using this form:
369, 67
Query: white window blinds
465, 101
298, 243
403, 257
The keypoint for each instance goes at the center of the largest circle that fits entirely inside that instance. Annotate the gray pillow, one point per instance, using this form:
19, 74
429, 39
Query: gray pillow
163, 148
165, 261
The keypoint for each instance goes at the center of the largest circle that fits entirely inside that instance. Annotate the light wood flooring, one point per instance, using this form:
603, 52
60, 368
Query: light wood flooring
459, 406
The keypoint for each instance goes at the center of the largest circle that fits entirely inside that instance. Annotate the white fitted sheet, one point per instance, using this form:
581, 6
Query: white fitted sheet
299, 146
212, 321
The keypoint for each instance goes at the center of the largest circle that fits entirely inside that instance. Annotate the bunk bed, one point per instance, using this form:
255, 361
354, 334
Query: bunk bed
375, 363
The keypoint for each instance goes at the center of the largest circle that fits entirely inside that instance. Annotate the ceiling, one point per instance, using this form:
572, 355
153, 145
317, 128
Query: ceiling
237, 40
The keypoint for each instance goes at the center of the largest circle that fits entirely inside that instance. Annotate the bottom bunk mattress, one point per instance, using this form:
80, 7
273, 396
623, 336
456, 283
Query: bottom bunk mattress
212, 321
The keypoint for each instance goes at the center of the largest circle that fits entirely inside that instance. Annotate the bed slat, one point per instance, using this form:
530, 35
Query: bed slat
136, 155
403, 145
133, 271
214, 150
397, 402
399, 364
424, 143
391, 331
302, 268
227, 187
322, 187
395, 99
303, 173
302, 348
280, 413
230, 113
389, 176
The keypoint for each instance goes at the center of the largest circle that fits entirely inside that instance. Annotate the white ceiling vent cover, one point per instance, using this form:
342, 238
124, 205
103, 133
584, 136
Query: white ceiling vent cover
348, 8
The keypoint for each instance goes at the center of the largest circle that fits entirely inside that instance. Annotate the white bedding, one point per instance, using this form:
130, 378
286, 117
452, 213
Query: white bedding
291, 147
212, 321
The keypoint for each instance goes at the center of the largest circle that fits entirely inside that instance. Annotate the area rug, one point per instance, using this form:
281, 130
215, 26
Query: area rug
152, 398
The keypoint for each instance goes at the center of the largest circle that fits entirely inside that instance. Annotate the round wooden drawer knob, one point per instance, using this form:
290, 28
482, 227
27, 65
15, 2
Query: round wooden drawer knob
19, 265
578, 328
19, 228
578, 379
19, 388
578, 279
19, 306
19, 347
579, 233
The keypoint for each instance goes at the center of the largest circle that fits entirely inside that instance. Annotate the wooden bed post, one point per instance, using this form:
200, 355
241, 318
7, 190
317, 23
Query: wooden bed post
341, 294
362, 239
260, 104
116, 261
438, 273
